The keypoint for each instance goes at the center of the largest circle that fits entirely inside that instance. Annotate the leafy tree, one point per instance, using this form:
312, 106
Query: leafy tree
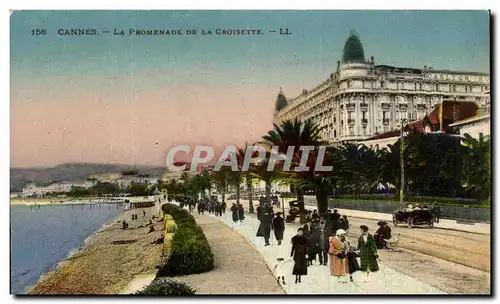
476, 171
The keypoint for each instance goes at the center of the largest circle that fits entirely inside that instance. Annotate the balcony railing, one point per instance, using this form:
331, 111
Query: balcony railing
363, 105
351, 121
386, 105
364, 121
403, 106
386, 121
351, 106
421, 106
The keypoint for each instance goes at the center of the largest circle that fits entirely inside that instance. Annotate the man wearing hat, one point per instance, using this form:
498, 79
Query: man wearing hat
383, 233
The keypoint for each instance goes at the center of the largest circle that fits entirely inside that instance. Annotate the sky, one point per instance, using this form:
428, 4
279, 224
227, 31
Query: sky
129, 99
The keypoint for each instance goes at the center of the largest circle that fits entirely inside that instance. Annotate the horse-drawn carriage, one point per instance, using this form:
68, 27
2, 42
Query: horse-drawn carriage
419, 217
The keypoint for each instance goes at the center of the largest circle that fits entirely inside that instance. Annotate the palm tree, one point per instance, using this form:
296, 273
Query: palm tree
476, 170
220, 179
295, 134
259, 171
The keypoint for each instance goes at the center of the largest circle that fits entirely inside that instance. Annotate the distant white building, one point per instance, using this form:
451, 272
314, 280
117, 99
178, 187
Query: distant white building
474, 126
125, 181
60, 187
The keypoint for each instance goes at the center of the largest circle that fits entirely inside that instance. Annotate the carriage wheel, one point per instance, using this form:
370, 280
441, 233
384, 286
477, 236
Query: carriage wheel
410, 222
394, 220
431, 224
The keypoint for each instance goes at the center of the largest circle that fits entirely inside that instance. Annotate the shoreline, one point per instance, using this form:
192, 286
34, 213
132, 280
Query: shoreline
93, 268
58, 201
73, 251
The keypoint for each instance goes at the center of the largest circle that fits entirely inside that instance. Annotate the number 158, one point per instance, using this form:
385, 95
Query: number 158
38, 32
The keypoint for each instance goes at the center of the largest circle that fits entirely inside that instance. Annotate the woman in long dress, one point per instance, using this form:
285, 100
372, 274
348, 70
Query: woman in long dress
367, 252
338, 260
300, 245
352, 258
278, 227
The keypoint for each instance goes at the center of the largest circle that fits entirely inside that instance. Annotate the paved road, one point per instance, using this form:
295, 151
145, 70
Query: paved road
318, 280
453, 261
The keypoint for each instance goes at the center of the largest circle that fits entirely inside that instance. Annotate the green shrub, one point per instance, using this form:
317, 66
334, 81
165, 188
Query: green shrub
190, 252
180, 215
165, 287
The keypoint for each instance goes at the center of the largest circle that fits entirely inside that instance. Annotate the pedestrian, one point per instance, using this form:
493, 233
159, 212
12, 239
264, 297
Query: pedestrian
306, 229
124, 224
367, 252
344, 223
315, 215
338, 258
382, 234
143, 212
278, 227
265, 225
234, 210
300, 246
314, 243
436, 211
352, 258
241, 212
223, 207
279, 269
325, 243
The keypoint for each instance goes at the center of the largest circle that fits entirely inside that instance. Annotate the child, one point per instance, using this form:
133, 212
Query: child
279, 269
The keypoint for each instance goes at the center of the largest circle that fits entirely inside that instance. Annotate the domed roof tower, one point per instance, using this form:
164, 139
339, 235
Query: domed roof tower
281, 102
353, 49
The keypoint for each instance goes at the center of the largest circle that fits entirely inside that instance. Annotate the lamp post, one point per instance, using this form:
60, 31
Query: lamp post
401, 156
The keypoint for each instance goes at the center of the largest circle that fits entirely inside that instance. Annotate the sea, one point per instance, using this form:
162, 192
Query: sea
42, 236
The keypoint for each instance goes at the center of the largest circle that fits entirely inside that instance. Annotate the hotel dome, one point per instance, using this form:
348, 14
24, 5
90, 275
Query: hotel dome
281, 102
353, 50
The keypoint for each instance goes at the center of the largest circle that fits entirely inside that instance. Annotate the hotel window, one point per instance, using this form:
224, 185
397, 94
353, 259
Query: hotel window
436, 87
364, 114
453, 88
384, 114
335, 133
348, 84
420, 86
334, 119
415, 86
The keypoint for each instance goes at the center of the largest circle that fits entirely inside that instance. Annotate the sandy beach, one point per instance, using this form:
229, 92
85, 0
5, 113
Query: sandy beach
74, 200
109, 260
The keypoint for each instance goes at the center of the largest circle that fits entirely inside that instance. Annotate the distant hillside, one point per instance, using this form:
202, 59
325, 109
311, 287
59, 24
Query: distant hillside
77, 172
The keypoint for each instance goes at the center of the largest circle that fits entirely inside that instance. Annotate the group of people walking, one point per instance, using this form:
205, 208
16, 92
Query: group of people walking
212, 206
270, 221
238, 213
326, 240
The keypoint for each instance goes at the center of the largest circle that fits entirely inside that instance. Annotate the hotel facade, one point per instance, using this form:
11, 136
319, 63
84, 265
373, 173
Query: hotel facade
361, 99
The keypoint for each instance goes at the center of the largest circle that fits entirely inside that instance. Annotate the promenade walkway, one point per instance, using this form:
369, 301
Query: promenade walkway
239, 268
318, 280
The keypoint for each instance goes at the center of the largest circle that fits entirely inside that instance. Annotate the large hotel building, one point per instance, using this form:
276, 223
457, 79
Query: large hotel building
362, 99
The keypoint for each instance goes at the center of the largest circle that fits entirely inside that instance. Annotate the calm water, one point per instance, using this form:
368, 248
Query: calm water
43, 236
